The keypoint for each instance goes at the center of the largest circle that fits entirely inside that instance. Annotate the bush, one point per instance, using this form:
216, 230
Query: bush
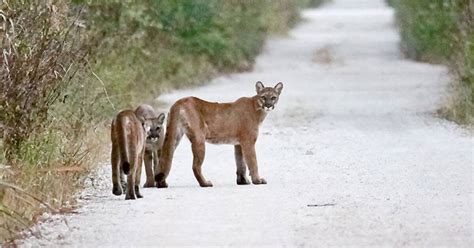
442, 32
159, 45
36, 68
69, 66
43, 54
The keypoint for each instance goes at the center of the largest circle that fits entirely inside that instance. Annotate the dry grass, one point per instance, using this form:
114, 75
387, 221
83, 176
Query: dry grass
31, 191
40, 55
459, 105
63, 74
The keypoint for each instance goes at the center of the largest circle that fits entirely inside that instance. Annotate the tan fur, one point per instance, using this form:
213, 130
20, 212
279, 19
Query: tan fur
234, 123
154, 141
128, 144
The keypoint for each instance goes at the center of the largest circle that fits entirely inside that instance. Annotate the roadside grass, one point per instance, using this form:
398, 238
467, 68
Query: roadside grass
114, 55
52, 169
442, 32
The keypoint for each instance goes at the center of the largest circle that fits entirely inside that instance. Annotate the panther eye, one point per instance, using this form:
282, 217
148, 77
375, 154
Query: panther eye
274, 98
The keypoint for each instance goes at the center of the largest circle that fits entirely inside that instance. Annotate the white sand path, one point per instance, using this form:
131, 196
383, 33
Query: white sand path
354, 133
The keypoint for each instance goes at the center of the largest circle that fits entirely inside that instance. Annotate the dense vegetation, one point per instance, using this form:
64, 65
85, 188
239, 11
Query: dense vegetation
442, 31
69, 66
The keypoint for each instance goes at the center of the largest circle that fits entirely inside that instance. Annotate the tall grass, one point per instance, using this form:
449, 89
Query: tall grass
69, 66
173, 44
442, 31
36, 67
42, 53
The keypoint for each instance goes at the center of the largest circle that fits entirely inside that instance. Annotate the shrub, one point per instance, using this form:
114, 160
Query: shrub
40, 57
69, 66
442, 31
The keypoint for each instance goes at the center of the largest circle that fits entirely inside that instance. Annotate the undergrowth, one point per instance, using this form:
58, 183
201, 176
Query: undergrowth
442, 31
69, 65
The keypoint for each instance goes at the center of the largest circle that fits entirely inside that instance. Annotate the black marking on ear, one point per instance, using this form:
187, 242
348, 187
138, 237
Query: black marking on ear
259, 86
161, 118
279, 87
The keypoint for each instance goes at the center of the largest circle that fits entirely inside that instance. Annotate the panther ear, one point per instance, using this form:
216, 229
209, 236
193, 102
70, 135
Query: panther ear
259, 86
279, 87
146, 127
161, 118
145, 124
141, 119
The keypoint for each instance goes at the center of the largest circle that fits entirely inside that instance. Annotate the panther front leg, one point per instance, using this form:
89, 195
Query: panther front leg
150, 180
241, 167
250, 158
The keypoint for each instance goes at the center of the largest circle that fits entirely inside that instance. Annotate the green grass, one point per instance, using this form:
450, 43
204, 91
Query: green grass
441, 31
133, 51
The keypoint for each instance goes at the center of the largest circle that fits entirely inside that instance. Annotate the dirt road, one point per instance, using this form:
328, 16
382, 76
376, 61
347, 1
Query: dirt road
353, 155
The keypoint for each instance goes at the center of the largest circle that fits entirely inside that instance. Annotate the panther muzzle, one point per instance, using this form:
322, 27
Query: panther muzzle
153, 138
268, 107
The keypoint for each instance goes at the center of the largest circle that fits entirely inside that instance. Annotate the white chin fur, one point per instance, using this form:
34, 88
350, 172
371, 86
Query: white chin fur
267, 109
